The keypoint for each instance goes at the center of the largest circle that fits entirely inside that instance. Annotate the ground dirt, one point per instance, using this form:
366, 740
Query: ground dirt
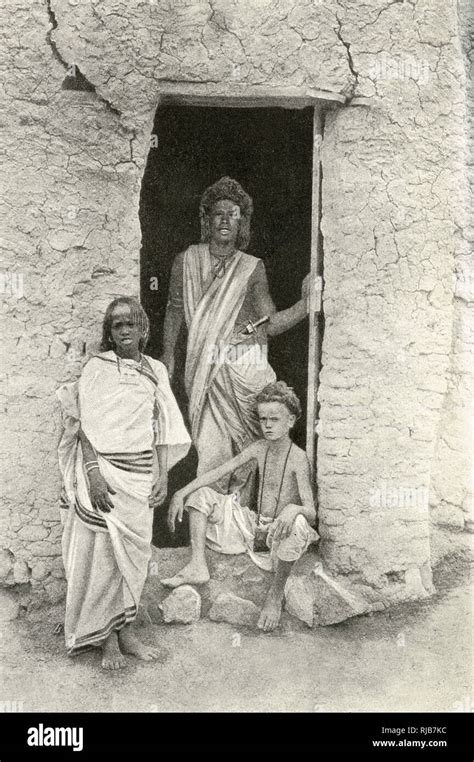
414, 657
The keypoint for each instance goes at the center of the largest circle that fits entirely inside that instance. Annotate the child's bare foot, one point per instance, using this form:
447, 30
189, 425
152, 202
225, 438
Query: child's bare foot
112, 657
194, 573
130, 644
271, 612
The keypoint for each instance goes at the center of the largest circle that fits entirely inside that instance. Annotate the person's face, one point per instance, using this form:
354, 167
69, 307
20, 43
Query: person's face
276, 421
224, 222
125, 332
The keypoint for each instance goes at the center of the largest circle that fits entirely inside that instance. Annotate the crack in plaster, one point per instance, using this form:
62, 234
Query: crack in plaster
350, 60
49, 39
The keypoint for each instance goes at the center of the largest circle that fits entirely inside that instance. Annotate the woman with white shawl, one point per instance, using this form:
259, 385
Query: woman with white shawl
123, 432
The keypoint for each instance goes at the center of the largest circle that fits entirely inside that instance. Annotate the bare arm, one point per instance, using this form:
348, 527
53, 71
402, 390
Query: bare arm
98, 488
87, 450
279, 321
303, 478
162, 455
250, 453
286, 319
289, 513
160, 486
174, 314
177, 504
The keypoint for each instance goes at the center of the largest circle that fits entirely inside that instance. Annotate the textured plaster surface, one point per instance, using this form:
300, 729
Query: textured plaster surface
451, 497
396, 236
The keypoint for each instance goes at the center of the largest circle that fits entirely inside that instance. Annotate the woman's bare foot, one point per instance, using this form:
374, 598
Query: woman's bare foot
194, 573
112, 657
130, 644
271, 612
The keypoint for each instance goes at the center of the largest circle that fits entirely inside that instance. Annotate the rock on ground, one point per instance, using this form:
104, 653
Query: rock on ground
232, 574
319, 600
182, 606
238, 588
299, 599
230, 608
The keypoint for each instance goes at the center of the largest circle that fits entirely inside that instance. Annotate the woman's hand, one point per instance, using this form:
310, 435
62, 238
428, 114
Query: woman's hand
285, 521
175, 511
99, 491
159, 491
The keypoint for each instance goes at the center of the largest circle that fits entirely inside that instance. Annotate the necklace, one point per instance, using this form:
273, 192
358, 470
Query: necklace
263, 484
219, 264
135, 361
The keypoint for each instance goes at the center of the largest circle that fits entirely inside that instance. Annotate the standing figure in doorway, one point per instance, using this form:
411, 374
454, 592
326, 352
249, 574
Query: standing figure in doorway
222, 293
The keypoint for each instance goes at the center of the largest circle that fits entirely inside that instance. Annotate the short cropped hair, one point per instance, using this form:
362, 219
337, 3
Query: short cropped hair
280, 392
227, 189
138, 315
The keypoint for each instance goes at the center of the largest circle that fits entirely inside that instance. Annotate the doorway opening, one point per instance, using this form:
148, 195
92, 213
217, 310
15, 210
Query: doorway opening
269, 151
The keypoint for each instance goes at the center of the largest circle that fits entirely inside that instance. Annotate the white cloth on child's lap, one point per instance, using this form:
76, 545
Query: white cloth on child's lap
231, 529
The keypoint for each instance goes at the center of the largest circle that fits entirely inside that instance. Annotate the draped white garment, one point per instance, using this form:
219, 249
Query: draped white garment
218, 385
124, 411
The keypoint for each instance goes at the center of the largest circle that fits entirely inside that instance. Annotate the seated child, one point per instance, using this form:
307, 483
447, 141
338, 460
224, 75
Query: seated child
285, 512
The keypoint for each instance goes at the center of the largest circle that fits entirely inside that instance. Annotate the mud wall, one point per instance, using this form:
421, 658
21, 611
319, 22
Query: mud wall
394, 191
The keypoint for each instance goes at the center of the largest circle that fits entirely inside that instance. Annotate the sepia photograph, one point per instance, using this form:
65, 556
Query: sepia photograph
237, 367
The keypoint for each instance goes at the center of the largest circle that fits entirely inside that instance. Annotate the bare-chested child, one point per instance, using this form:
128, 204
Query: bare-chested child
286, 510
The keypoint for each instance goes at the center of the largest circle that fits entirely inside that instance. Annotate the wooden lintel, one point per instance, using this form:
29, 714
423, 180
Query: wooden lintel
249, 97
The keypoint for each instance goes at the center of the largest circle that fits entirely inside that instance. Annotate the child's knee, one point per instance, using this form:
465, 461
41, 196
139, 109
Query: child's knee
293, 546
300, 526
203, 500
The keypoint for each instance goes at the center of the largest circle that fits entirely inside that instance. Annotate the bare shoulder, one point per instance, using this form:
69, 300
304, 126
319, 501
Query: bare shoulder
299, 458
257, 449
259, 272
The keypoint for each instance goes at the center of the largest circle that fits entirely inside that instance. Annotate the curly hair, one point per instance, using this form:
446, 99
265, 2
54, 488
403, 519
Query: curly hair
138, 315
227, 189
280, 392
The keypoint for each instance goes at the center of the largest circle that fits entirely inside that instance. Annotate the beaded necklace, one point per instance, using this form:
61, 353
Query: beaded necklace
135, 361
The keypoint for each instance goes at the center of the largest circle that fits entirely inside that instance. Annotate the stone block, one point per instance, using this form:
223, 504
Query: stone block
316, 599
21, 572
252, 575
414, 584
43, 548
6, 566
38, 570
49, 513
33, 532
230, 608
182, 606
9, 606
332, 603
299, 599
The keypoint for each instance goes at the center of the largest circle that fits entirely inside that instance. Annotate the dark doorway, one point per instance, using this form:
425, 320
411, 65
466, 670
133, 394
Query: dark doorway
269, 151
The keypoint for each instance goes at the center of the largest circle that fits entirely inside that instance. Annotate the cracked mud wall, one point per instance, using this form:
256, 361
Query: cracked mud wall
451, 497
395, 339
392, 222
